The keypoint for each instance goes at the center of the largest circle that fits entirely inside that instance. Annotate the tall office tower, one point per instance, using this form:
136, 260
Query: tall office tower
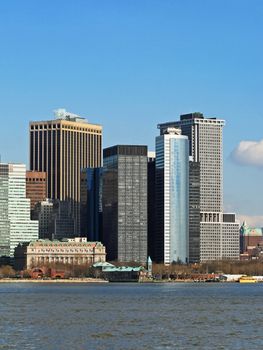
91, 203
218, 239
43, 212
55, 219
36, 187
61, 148
15, 223
125, 203
151, 203
62, 223
194, 212
172, 197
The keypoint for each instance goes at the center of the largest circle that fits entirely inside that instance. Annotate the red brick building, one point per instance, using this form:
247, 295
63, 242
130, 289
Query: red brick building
36, 187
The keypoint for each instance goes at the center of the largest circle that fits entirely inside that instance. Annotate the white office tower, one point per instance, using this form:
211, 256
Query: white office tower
15, 223
172, 197
219, 232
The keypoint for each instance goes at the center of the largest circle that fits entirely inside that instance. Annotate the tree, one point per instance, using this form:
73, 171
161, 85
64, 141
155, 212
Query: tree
7, 271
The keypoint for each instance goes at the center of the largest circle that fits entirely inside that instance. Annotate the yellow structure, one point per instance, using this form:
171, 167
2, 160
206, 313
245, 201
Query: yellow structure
247, 279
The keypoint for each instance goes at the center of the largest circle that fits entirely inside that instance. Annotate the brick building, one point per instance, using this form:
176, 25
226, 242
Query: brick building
36, 187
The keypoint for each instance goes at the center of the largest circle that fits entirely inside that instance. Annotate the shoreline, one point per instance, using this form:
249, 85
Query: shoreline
62, 280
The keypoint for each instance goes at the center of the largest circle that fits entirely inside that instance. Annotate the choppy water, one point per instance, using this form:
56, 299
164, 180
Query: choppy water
131, 316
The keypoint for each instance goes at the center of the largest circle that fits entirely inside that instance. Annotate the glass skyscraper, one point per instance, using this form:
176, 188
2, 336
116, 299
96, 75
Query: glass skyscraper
219, 239
91, 203
172, 197
15, 224
125, 203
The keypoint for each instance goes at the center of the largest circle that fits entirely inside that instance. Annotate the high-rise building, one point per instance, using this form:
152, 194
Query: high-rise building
15, 223
61, 148
194, 212
172, 197
151, 204
125, 203
218, 239
36, 187
91, 203
55, 218
43, 212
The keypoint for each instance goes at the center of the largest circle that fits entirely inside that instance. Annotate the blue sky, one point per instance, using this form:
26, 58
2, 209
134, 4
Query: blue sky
130, 64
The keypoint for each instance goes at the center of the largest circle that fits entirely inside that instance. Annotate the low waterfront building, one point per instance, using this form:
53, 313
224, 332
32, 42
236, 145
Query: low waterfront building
67, 251
114, 273
250, 238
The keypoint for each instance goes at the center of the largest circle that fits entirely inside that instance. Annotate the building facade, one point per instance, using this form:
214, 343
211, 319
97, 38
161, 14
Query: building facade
61, 148
194, 212
151, 204
43, 212
172, 197
91, 203
206, 147
125, 203
36, 187
69, 251
15, 223
56, 219
250, 237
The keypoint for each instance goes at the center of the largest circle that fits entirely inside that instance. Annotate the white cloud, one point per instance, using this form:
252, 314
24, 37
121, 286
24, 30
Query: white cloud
249, 153
253, 221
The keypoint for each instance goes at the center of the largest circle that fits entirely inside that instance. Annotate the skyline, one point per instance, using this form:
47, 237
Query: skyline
148, 62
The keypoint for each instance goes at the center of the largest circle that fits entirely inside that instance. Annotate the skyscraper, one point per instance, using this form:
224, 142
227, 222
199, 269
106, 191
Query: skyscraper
172, 197
151, 204
44, 213
91, 203
61, 148
15, 224
194, 212
36, 187
218, 239
125, 203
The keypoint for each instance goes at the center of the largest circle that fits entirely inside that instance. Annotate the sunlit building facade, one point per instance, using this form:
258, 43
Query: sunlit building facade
15, 223
219, 236
61, 148
172, 197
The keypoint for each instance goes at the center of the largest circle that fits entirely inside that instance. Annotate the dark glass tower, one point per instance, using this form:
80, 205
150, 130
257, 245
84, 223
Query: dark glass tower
125, 203
91, 203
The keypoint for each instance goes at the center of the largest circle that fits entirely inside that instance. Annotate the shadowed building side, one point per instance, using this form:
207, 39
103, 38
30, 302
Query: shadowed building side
125, 202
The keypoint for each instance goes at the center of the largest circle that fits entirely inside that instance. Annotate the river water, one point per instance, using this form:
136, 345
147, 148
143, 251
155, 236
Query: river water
131, 316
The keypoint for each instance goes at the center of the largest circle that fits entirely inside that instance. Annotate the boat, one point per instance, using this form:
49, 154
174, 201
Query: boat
247, 279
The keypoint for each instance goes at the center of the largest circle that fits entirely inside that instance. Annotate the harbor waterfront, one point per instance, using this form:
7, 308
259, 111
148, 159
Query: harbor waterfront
131, 316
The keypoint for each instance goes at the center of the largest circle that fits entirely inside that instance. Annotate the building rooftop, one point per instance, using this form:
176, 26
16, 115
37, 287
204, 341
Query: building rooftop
126, 150
63, 242
245, 230
62, 116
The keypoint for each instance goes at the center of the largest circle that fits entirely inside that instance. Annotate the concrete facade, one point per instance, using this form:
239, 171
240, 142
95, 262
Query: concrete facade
206, 147
70, 251
15, 223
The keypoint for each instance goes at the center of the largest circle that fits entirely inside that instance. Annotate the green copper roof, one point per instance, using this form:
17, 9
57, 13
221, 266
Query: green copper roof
245, 230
